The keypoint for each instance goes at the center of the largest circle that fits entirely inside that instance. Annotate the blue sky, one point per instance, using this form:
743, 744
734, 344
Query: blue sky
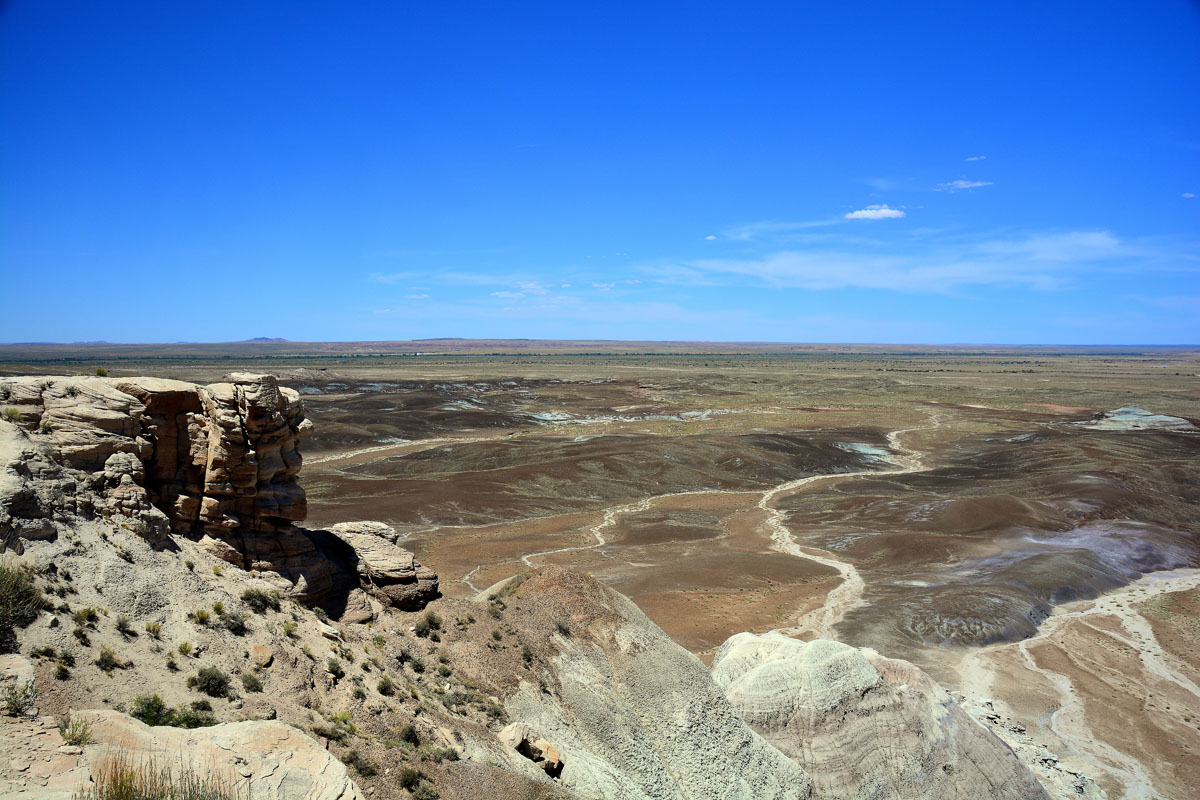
833, 172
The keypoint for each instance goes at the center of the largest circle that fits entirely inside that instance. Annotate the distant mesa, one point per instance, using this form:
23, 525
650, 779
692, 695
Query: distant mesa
262, 339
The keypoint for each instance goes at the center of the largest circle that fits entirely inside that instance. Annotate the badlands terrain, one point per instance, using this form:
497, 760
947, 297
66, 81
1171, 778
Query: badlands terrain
775, 572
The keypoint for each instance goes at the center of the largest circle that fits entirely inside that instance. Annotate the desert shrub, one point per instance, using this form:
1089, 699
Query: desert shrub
289, 629
439, 754
154, 629
120, 778
425, 791
77, 732
81, 636
20, 601
497, 712
251, 683
218, 571
434, 620
61, 673
386, 686
12, 415
259, 601
17, 698
334, 667
191, 565
185, 648
362, 765
418, 666
526, 654
409, 777
192, 718
409, 734
219, 608
212, 682
108, 660
497, 635
234, 622
422, 628
444, 671
150, 709
334, 733
85, 616
123, 626
563, 627
101, 372
200, 616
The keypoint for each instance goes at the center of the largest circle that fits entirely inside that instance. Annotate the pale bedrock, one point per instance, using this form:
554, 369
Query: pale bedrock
864, 726
266, 760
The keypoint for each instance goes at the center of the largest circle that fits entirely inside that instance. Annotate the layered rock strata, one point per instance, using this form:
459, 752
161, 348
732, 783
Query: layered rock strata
217, 463
865, 727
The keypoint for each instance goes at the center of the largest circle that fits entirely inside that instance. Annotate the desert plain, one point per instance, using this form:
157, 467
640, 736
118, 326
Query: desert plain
1021, 523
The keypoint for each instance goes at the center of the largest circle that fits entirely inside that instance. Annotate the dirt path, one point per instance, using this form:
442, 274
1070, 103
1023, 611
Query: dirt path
842, 598
846, 595
374, 452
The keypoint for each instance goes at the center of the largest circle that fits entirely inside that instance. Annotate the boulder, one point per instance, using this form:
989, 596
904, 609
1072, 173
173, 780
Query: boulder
385, 569
518, 736
266, 760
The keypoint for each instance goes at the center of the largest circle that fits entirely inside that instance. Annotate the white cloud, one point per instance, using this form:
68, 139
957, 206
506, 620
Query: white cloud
394, 277
1040, 261
416, 297
755, 230
711, 238
532, 287
876, 212
1189, 195
960, 185
975, 158
508, 295
603, 286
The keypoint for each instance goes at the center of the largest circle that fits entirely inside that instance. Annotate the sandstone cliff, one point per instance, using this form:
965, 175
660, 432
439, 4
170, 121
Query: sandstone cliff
214, 463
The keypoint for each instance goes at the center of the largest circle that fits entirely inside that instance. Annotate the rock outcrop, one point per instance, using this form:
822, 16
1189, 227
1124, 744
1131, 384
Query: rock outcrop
216, 463
864, 726
386, 571
522, 739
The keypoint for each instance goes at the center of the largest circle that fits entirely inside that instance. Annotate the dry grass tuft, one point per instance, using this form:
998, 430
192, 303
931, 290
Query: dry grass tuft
120, 778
